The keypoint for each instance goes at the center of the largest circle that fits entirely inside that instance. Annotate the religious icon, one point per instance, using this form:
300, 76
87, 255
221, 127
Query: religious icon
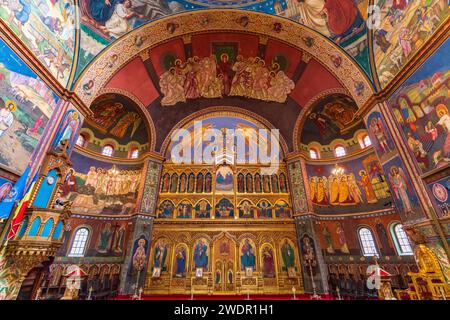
264, 209
140, 253
328, 239
184, 210
201, 255
224, 180
268, 263
208, 182
166, 209
241, 187
287, 254
183, 183
105, 239
199, 183
159, 255
68, 129
367, 186
156, 272
199, 272
224, 209
249, 183
165, 185
180, 262
218, 277
400, 185
248, 259
341, 237
246, 210
202, 209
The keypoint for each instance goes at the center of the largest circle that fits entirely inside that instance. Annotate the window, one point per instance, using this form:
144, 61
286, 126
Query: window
401, 240
366, 141
81, 140
367, 242
107, 151
79, 243
313, 154
339, 151
134, 153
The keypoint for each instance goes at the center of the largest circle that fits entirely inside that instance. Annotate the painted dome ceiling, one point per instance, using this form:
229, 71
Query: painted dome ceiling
66, 38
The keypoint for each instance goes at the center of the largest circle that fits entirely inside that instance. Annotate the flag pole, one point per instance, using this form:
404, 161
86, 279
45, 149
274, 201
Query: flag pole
7, 225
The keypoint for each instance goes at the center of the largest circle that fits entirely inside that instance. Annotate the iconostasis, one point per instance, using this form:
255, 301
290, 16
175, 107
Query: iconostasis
225, 227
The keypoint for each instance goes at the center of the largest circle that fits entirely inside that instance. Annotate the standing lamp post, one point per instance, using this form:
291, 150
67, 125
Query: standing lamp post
311, 262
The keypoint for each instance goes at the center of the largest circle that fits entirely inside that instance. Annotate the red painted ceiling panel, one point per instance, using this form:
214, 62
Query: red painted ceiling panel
314, 80
134, 78
292, 55
175, 47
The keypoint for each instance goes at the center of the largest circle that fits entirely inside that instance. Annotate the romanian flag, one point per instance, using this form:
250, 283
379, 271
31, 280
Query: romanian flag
15, 194
20, 210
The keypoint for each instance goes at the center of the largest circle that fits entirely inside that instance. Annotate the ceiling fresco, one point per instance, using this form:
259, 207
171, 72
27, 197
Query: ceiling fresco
331, 118
116, 117
342, 21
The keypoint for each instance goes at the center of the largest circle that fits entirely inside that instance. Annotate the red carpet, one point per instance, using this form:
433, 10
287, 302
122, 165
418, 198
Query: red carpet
228, 297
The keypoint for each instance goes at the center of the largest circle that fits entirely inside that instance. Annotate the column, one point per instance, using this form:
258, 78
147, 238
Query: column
311, 257
135, 265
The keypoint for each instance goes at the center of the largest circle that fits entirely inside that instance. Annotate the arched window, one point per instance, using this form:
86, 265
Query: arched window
108, 150
366, 141
313, 154
367, 242
401, 240
339, 151
81, 140
79, 243
134, 153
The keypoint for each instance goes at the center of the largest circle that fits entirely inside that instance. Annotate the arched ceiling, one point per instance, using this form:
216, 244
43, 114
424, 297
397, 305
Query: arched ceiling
155, 60
66, 35
342, 21
330, 118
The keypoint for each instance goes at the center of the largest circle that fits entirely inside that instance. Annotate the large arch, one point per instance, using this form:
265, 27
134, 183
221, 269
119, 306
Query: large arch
117, 55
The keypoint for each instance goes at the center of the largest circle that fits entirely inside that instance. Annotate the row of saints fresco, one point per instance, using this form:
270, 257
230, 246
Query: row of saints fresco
224, 209
202, 183
207, 78
251, 258
349, 185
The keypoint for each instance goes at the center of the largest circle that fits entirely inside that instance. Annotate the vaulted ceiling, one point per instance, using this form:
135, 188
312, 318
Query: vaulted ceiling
67, 35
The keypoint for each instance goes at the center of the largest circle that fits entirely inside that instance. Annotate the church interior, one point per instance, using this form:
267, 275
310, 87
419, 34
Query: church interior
152, 149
